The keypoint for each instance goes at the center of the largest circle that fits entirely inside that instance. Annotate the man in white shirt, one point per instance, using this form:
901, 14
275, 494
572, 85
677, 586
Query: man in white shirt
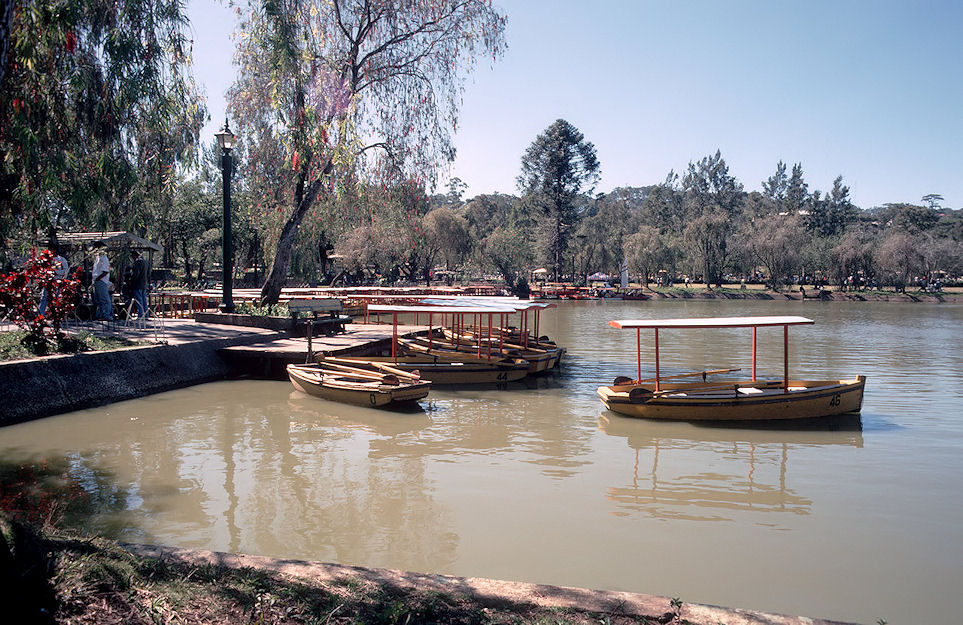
101, 276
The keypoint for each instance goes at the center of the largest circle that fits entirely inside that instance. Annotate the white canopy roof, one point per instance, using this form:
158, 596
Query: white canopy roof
446, 310
710, 322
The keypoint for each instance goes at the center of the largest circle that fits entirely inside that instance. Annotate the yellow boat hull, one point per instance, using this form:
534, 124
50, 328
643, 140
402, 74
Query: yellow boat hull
346, 389
736, 401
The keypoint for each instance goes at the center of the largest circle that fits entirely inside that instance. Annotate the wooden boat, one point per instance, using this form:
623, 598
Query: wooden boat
541, 352
539, 359
453, 368
728, 400
375, 386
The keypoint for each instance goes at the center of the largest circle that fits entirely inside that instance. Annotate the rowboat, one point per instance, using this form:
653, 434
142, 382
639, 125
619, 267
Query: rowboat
665, 397
375, 386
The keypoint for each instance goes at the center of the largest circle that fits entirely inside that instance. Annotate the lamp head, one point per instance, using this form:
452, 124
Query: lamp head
225, 138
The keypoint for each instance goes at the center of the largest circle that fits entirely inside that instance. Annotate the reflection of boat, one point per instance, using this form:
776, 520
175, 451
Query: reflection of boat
363, 387
728, 400
749, 466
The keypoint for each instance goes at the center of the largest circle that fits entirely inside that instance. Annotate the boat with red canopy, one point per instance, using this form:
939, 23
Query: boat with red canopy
665, 397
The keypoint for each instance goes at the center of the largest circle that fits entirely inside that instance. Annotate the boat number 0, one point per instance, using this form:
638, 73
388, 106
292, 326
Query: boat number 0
372, 399
835, 400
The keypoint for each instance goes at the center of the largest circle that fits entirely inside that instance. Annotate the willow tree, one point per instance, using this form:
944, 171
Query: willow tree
97, 105
371, 88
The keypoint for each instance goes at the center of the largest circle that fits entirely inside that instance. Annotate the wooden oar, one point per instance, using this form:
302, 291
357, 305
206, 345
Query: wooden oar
378, 365
361, 373
717, 387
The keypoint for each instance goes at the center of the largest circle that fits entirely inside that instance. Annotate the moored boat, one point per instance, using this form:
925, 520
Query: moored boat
728, 400
376, 386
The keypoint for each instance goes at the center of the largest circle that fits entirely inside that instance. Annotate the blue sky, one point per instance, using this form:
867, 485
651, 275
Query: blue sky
870, 90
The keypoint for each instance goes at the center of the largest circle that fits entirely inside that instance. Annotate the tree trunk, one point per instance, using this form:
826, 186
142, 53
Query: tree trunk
271, 291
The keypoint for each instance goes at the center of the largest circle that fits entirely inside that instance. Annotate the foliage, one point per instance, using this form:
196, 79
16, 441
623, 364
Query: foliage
899, 255
506, 251
775, 242
707, 239
271, 310
709, 187
557, 168
853, 254
12, 344
97, 109
18, 299
829, 216
447, 236
645, 252
330, 89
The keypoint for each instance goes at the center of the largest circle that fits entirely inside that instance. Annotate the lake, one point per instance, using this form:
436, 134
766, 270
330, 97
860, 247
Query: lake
860, 519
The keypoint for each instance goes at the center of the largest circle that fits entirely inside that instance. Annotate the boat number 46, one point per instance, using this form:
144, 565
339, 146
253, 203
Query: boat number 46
835, 400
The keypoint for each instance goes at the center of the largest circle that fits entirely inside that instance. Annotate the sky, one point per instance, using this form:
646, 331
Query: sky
871, 90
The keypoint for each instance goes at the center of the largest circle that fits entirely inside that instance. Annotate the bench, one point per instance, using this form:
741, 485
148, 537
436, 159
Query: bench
331, 321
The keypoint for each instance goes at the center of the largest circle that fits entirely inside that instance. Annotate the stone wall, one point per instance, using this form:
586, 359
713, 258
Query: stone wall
30, 389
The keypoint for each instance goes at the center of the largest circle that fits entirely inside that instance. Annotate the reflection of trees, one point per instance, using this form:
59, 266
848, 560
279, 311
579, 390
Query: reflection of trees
747, 468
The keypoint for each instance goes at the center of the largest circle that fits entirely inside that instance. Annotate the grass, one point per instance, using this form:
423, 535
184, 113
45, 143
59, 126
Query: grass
12, 345
52, 574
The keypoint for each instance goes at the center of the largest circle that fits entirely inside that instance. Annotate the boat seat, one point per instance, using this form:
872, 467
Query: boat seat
749, 390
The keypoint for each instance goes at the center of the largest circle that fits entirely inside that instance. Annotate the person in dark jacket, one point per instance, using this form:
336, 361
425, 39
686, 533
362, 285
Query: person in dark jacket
138, 283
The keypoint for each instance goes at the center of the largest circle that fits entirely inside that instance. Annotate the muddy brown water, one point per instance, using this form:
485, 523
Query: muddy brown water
860, 519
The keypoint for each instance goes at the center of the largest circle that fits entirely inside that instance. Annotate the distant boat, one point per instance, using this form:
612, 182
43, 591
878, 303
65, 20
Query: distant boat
728, 400
635, 295
376, 387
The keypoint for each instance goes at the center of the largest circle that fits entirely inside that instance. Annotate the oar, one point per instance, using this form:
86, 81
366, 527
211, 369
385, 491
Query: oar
717, 387
361, 373
380, 366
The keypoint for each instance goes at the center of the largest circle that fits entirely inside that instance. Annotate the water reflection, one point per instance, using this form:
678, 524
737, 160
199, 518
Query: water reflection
743, 468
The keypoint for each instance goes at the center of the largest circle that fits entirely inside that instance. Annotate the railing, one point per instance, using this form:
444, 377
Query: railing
181, 305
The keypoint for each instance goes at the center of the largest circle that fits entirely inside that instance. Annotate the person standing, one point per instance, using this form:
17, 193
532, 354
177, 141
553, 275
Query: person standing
138, 283
60, 272
101, 276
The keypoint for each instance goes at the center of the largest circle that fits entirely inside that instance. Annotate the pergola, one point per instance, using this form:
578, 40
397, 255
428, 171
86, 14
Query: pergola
72, 243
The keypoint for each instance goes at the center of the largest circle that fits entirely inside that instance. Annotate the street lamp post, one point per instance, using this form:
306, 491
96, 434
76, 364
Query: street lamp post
225, 139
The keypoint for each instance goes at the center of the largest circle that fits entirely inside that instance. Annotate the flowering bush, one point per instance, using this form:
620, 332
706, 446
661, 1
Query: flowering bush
18, 299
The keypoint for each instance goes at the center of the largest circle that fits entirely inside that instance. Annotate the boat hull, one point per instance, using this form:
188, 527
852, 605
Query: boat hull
341, 388
738, 401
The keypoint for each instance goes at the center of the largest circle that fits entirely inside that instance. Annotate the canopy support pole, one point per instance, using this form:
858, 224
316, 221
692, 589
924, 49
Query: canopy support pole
754, 328
785, 358
658, 384
394, 337
638, 354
